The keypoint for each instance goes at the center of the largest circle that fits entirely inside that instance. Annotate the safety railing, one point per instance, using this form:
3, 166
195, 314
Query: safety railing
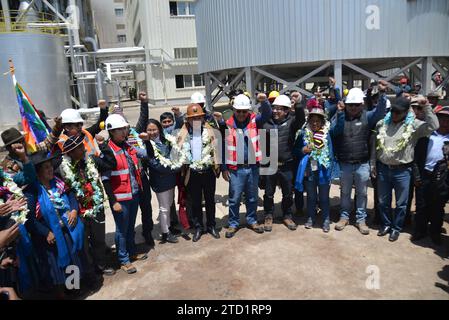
31, 22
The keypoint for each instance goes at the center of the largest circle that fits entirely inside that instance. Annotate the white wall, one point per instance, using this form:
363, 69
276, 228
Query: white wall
106, 22
160, 30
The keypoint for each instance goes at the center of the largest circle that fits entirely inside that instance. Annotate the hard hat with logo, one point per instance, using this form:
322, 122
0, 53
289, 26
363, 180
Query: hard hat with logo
115, 121
198, 98
194, 110
71, 116
242, 102
273, 95
355, 95
283, 101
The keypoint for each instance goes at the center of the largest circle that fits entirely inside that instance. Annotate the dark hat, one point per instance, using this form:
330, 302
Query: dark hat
433, 94
40, 157
401, 105
441, 110
72, 143
11, 136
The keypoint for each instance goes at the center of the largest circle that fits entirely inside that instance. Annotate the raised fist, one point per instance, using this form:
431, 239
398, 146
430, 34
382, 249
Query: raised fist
143, 97
261, 97
102, 104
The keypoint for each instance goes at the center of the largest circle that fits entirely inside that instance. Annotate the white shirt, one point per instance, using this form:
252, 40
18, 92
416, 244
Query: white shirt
435, 150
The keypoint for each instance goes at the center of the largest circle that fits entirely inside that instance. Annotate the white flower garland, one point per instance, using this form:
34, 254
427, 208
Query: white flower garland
321, 155
403, 141
177, 157
207, 153
93, 177
21, 215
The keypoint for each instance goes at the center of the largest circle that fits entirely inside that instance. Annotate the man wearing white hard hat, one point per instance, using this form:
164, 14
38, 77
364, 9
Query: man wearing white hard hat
351, 144
123, 185
73, 126
215, 120
243, 154
286, 125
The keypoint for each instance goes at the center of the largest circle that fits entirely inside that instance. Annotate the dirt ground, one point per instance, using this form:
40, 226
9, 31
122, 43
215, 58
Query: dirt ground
283, 264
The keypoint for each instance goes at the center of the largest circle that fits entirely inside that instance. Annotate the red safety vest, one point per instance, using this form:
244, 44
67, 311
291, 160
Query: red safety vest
121, 177
231, 141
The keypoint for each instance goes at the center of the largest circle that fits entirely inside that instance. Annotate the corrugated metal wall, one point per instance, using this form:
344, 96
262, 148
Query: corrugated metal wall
238, 33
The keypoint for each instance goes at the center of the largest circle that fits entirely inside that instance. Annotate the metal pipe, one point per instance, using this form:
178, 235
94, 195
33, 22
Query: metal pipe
5, 6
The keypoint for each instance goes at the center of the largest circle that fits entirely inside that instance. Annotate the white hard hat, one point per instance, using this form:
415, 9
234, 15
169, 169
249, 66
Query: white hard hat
71, 116
115, 121
242, 102
283, 101
355, 95
197, 97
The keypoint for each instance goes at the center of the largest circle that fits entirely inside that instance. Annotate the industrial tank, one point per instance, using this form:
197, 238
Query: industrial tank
41, 69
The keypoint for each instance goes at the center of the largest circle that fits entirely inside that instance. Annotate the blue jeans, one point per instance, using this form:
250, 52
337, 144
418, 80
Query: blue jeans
243, 180
387, 180
358, 174
124, 229
314, 190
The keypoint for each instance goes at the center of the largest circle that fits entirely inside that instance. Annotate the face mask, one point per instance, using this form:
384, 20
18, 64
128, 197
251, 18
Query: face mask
169, 130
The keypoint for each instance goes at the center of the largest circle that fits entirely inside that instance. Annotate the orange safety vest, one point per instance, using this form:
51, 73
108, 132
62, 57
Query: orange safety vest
121, 177
231, 141
89, 143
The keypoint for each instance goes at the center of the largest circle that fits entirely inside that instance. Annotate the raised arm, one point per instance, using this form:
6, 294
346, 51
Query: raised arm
430, 123
265, 111
53, 137
144, 115
95, 129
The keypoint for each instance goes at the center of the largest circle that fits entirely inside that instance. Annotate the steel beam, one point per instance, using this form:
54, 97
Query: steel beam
411, 64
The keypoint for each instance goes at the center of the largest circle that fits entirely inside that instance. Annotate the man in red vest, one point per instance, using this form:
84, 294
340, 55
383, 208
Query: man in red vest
243, 155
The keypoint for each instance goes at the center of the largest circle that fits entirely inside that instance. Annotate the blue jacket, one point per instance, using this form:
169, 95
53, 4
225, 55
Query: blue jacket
161, 178
326, 175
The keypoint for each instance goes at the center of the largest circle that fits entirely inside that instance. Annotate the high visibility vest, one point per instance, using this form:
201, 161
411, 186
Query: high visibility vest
121, 176
89, 143
231, 141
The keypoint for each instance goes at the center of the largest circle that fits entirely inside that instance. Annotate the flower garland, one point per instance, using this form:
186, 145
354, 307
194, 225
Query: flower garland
177, 157
403, 141
10, 187
91, 200
207, 153
319, 154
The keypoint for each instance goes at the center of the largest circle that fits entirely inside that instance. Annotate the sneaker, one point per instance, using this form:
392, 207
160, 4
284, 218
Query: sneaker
290, 224
139, 257
257, 228
268, 225
363, 228
230, 232
326, 226
128, 268
309, 224
341, 224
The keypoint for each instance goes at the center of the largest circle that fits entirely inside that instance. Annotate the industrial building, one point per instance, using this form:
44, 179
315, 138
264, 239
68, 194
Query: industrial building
166, 29
289, 44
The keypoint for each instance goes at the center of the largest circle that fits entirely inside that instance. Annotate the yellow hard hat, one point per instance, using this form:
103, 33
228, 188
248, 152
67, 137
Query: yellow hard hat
345, 92
273, 95
102, 125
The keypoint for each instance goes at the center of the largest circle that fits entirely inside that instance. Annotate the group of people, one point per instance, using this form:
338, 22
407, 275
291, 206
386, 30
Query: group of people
52, 212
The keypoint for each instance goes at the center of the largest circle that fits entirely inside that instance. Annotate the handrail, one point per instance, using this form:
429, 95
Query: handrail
34, 18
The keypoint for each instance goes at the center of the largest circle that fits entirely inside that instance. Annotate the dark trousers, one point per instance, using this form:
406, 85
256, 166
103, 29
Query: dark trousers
285, 176
429, 207
95, 240
202, 183
145, 207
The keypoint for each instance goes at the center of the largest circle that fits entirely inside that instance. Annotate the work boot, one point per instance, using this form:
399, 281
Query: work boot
363, 228
169, 237
128, 268
149, 239
309, 224
326, 226
230, 232
268, 224
139, 257
341, 224
213, 232
290, 224
197, 235
257, 228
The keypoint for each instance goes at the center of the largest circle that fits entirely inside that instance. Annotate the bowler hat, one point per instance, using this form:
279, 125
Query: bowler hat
11, 136
72, 143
